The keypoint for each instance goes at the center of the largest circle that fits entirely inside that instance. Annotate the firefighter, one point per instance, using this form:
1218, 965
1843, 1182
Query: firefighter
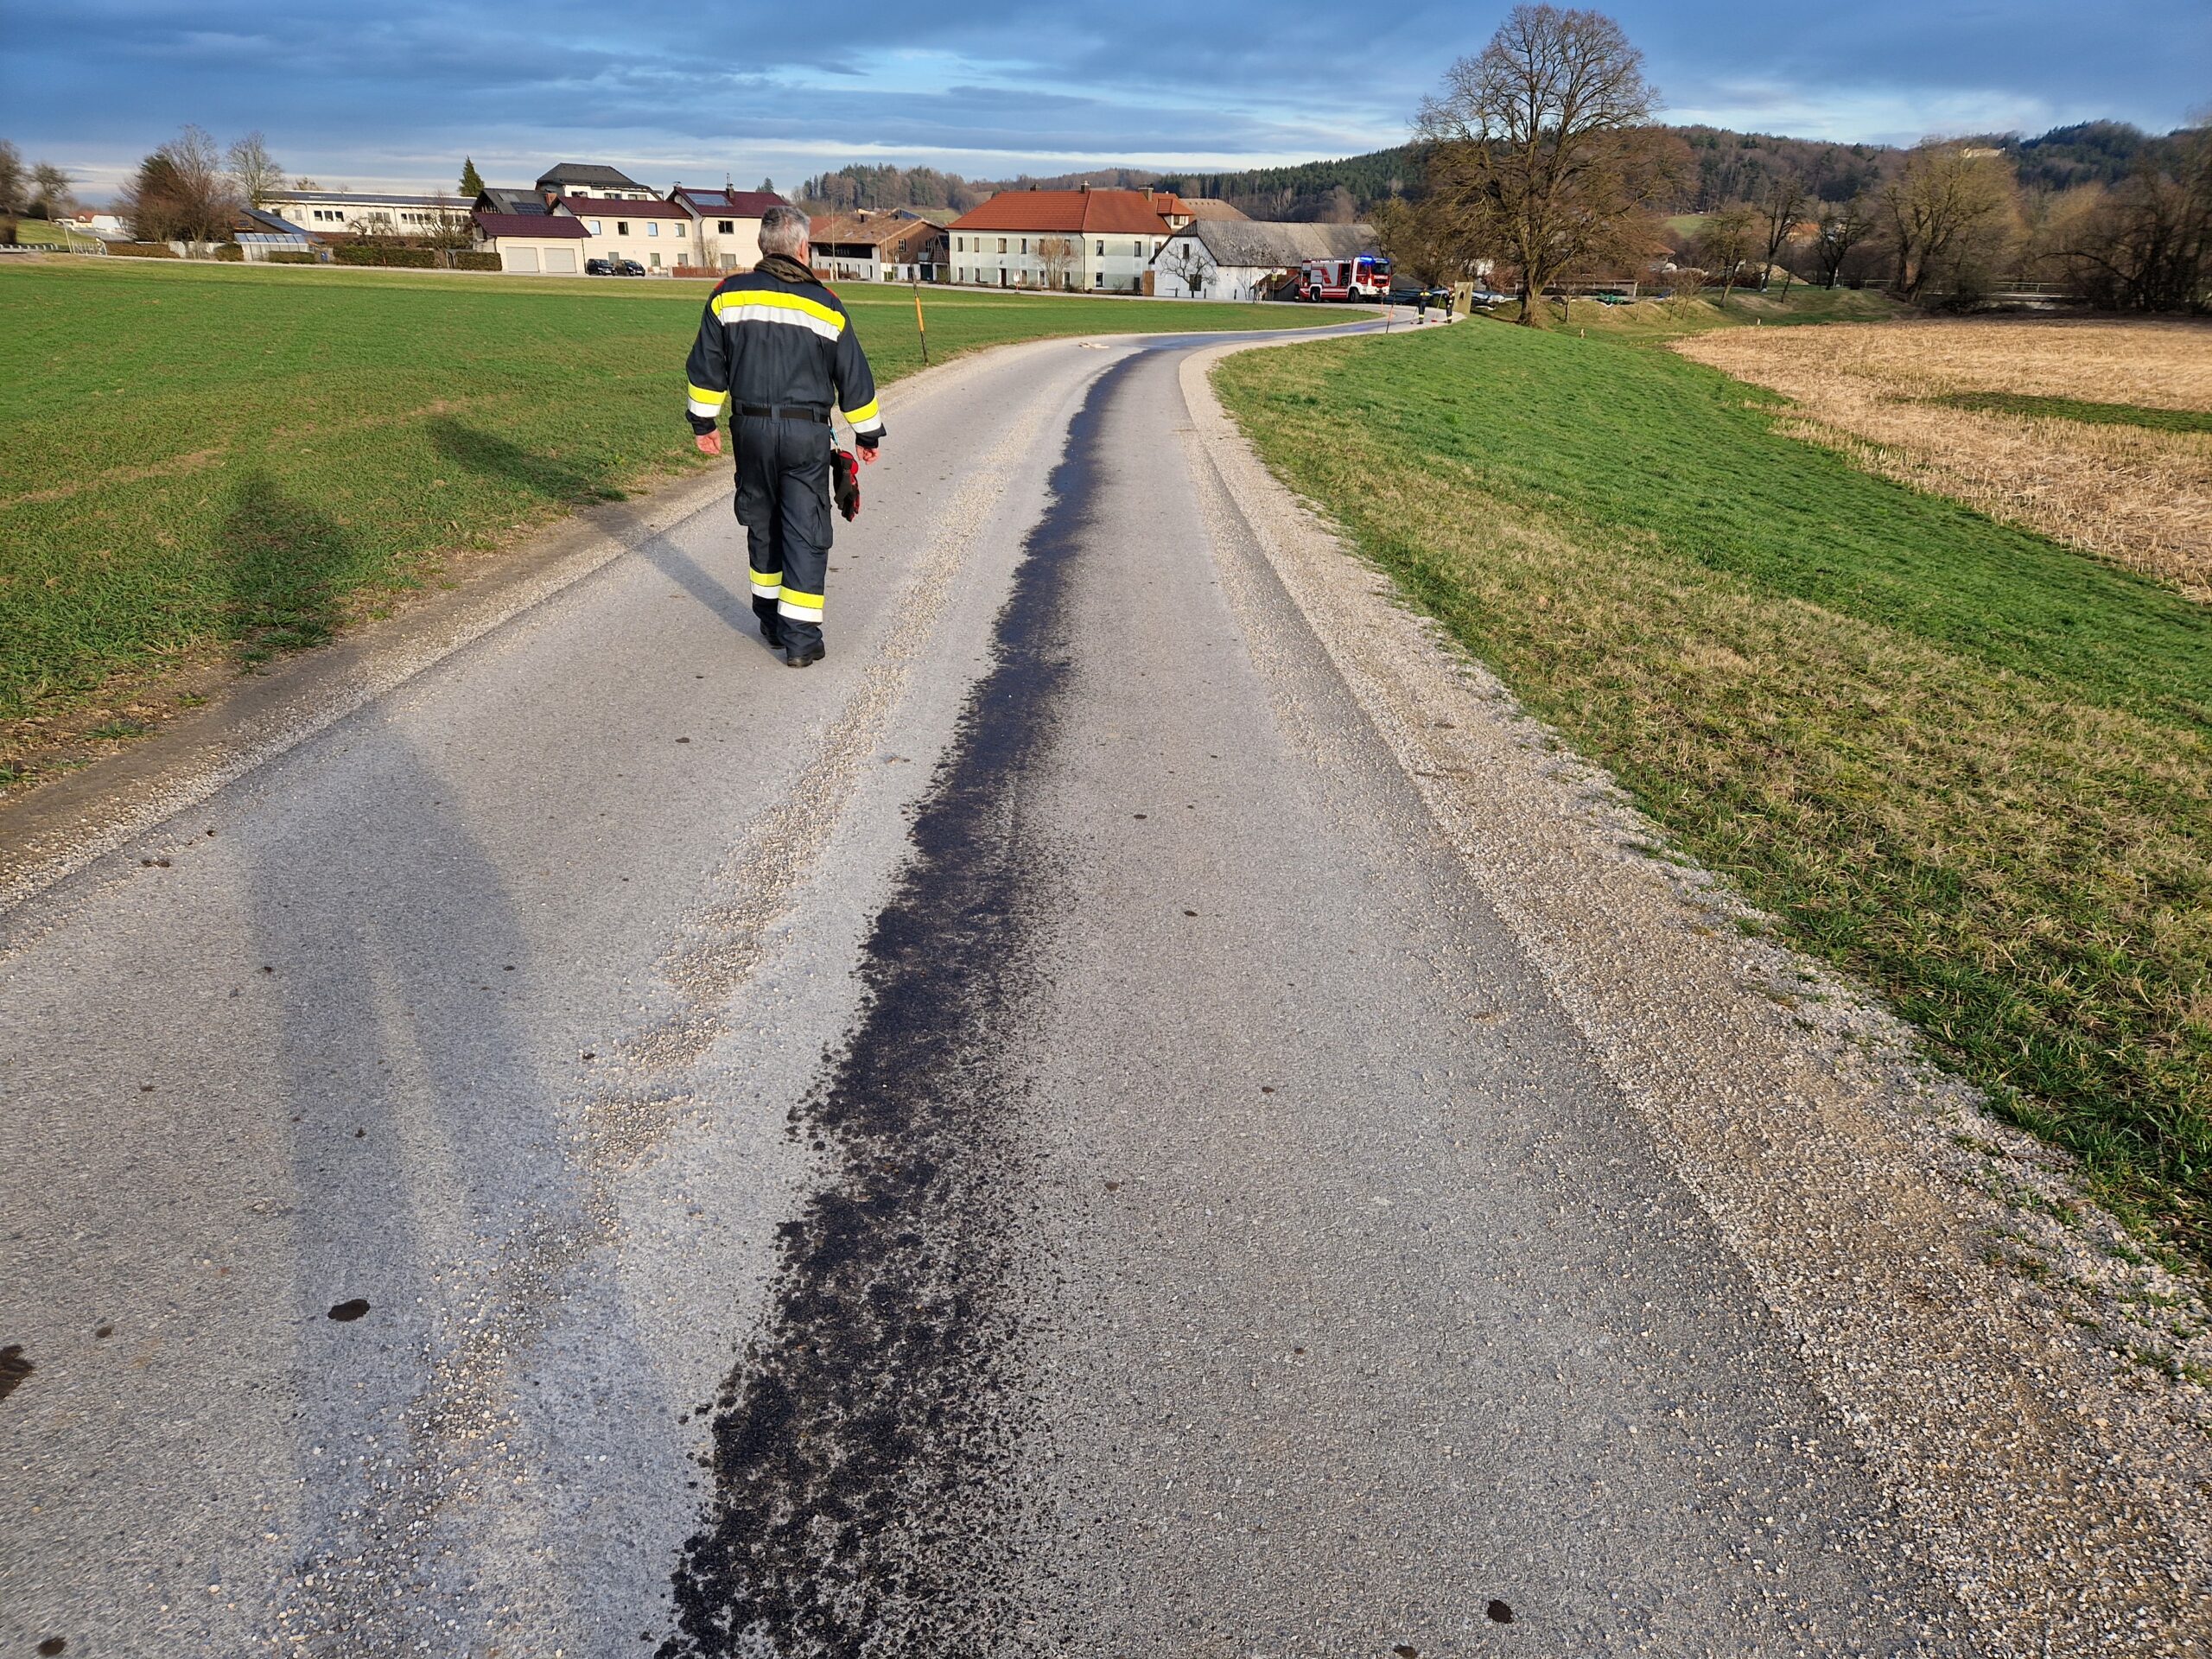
777, 346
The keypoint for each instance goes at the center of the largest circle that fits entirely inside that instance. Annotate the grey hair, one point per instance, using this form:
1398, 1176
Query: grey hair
784, 229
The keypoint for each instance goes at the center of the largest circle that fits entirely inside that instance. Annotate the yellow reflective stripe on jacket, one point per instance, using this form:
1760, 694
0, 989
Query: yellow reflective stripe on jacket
768, 302
704, 404
867, 417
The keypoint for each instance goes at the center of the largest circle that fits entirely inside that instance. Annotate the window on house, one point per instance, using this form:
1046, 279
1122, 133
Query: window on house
594, 226
652, 227
1002, 244
725, 226
622, 228
1098, 277
960, 244
1101, 250
1025, 245
652, 260
1137, 248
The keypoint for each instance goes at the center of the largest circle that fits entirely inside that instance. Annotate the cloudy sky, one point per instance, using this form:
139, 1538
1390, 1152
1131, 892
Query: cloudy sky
394, 92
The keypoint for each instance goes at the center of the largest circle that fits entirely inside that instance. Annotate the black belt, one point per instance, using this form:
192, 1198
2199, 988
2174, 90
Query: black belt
786, 412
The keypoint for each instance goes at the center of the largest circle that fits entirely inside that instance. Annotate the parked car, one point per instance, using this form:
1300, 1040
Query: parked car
613, 268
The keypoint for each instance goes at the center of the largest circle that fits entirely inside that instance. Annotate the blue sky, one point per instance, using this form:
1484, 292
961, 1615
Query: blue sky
396, 91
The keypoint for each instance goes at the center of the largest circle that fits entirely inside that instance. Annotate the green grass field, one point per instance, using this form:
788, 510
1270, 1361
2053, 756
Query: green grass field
239, 457
1960, 761
2073, 409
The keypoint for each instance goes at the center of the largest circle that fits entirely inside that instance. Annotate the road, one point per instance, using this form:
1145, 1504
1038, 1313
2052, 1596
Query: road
1020, 1138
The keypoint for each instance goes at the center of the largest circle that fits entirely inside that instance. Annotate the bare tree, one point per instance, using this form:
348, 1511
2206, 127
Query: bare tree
254, 170
1781, 203
1187, 261
1725, 240
1844, 226
2146, 245
1944, 208
1541, 145
181, 193
1423, 240
51, 197
1057, 254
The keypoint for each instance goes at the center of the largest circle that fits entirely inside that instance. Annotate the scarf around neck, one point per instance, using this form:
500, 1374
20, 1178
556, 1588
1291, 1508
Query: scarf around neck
784, 268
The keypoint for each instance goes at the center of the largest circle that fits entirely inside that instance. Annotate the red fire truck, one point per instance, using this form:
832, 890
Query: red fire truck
1367, 277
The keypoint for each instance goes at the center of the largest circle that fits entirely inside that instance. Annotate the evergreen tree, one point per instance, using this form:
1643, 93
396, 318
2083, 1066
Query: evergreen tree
471, 182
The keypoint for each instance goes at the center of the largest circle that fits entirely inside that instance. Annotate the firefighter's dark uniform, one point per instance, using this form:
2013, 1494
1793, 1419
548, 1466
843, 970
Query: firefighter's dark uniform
777, 346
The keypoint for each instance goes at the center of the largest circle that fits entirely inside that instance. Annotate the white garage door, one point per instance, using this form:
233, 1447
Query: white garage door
561, 261
522, 258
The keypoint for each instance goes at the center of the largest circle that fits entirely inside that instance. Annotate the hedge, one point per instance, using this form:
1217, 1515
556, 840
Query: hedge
231, 251
476, 262
354, 254
143, 250
292, 257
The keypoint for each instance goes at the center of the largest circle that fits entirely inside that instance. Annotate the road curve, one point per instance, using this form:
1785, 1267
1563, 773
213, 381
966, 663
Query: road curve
1020, 1138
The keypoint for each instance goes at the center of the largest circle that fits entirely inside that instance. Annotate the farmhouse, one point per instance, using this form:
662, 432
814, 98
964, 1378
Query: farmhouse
724, 228
654, 233
534, 245
1102, 240
1233, 258
876, 247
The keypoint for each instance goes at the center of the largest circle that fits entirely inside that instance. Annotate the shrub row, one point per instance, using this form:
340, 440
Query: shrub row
143, 250
359, 254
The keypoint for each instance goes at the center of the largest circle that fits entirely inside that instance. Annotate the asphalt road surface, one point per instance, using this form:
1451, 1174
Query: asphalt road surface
1017, 1139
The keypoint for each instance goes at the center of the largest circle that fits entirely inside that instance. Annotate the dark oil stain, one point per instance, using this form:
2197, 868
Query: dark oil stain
1266, 1088
1499, 1613
1190, 913
104, 1331
145, 1087
865, 1487
1406, 1650
346, 1312
54, 1644
14, 1368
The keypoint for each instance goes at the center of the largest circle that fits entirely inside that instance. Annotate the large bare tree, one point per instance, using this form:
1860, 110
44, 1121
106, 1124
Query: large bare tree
1542, 146
1844, 226
181, 193
2146, 245
1781, 205
254, 170
1728, 238
1946, 206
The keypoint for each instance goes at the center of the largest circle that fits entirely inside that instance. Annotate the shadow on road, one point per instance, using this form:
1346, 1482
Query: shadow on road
578, 484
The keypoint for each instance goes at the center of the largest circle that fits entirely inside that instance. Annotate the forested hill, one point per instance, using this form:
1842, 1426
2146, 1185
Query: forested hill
1714, 166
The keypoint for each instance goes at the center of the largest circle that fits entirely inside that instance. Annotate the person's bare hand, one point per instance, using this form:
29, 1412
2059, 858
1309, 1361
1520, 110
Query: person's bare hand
709, 443
868, 454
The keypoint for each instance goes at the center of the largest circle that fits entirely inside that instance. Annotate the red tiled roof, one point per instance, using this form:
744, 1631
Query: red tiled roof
1085, 212
611, 207
881, 230
537, 224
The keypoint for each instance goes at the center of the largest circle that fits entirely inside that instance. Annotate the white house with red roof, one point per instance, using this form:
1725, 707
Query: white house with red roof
1100, 241
725, 225
649, 232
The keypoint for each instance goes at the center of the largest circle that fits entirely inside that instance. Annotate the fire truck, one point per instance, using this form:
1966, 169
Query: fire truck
1367, 277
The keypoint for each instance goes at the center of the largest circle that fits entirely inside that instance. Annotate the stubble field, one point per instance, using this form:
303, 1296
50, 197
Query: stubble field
2096, 433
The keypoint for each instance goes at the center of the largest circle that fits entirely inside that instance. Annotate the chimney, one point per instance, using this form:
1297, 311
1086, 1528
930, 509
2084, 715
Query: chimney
1147, 192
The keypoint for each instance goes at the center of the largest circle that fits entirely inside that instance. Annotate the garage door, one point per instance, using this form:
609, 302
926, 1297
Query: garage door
561, 261
522, 258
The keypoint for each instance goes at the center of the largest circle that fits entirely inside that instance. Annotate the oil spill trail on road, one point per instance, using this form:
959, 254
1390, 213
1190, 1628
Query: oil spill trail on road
864, 1448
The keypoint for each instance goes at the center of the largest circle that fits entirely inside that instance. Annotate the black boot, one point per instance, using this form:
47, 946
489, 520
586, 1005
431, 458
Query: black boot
806, 656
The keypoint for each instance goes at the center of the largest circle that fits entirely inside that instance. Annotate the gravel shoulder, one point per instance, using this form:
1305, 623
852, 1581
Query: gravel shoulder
2028, 1388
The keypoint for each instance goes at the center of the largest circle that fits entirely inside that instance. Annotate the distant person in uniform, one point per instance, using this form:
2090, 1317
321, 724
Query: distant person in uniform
777, 346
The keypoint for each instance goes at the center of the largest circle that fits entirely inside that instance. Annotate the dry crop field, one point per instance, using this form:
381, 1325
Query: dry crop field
2097, 434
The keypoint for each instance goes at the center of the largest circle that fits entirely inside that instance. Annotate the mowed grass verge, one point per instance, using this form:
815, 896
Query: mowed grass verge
1958, 760
207, 457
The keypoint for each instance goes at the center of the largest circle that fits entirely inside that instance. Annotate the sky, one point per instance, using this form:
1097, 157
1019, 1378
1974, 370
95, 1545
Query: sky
393, 93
